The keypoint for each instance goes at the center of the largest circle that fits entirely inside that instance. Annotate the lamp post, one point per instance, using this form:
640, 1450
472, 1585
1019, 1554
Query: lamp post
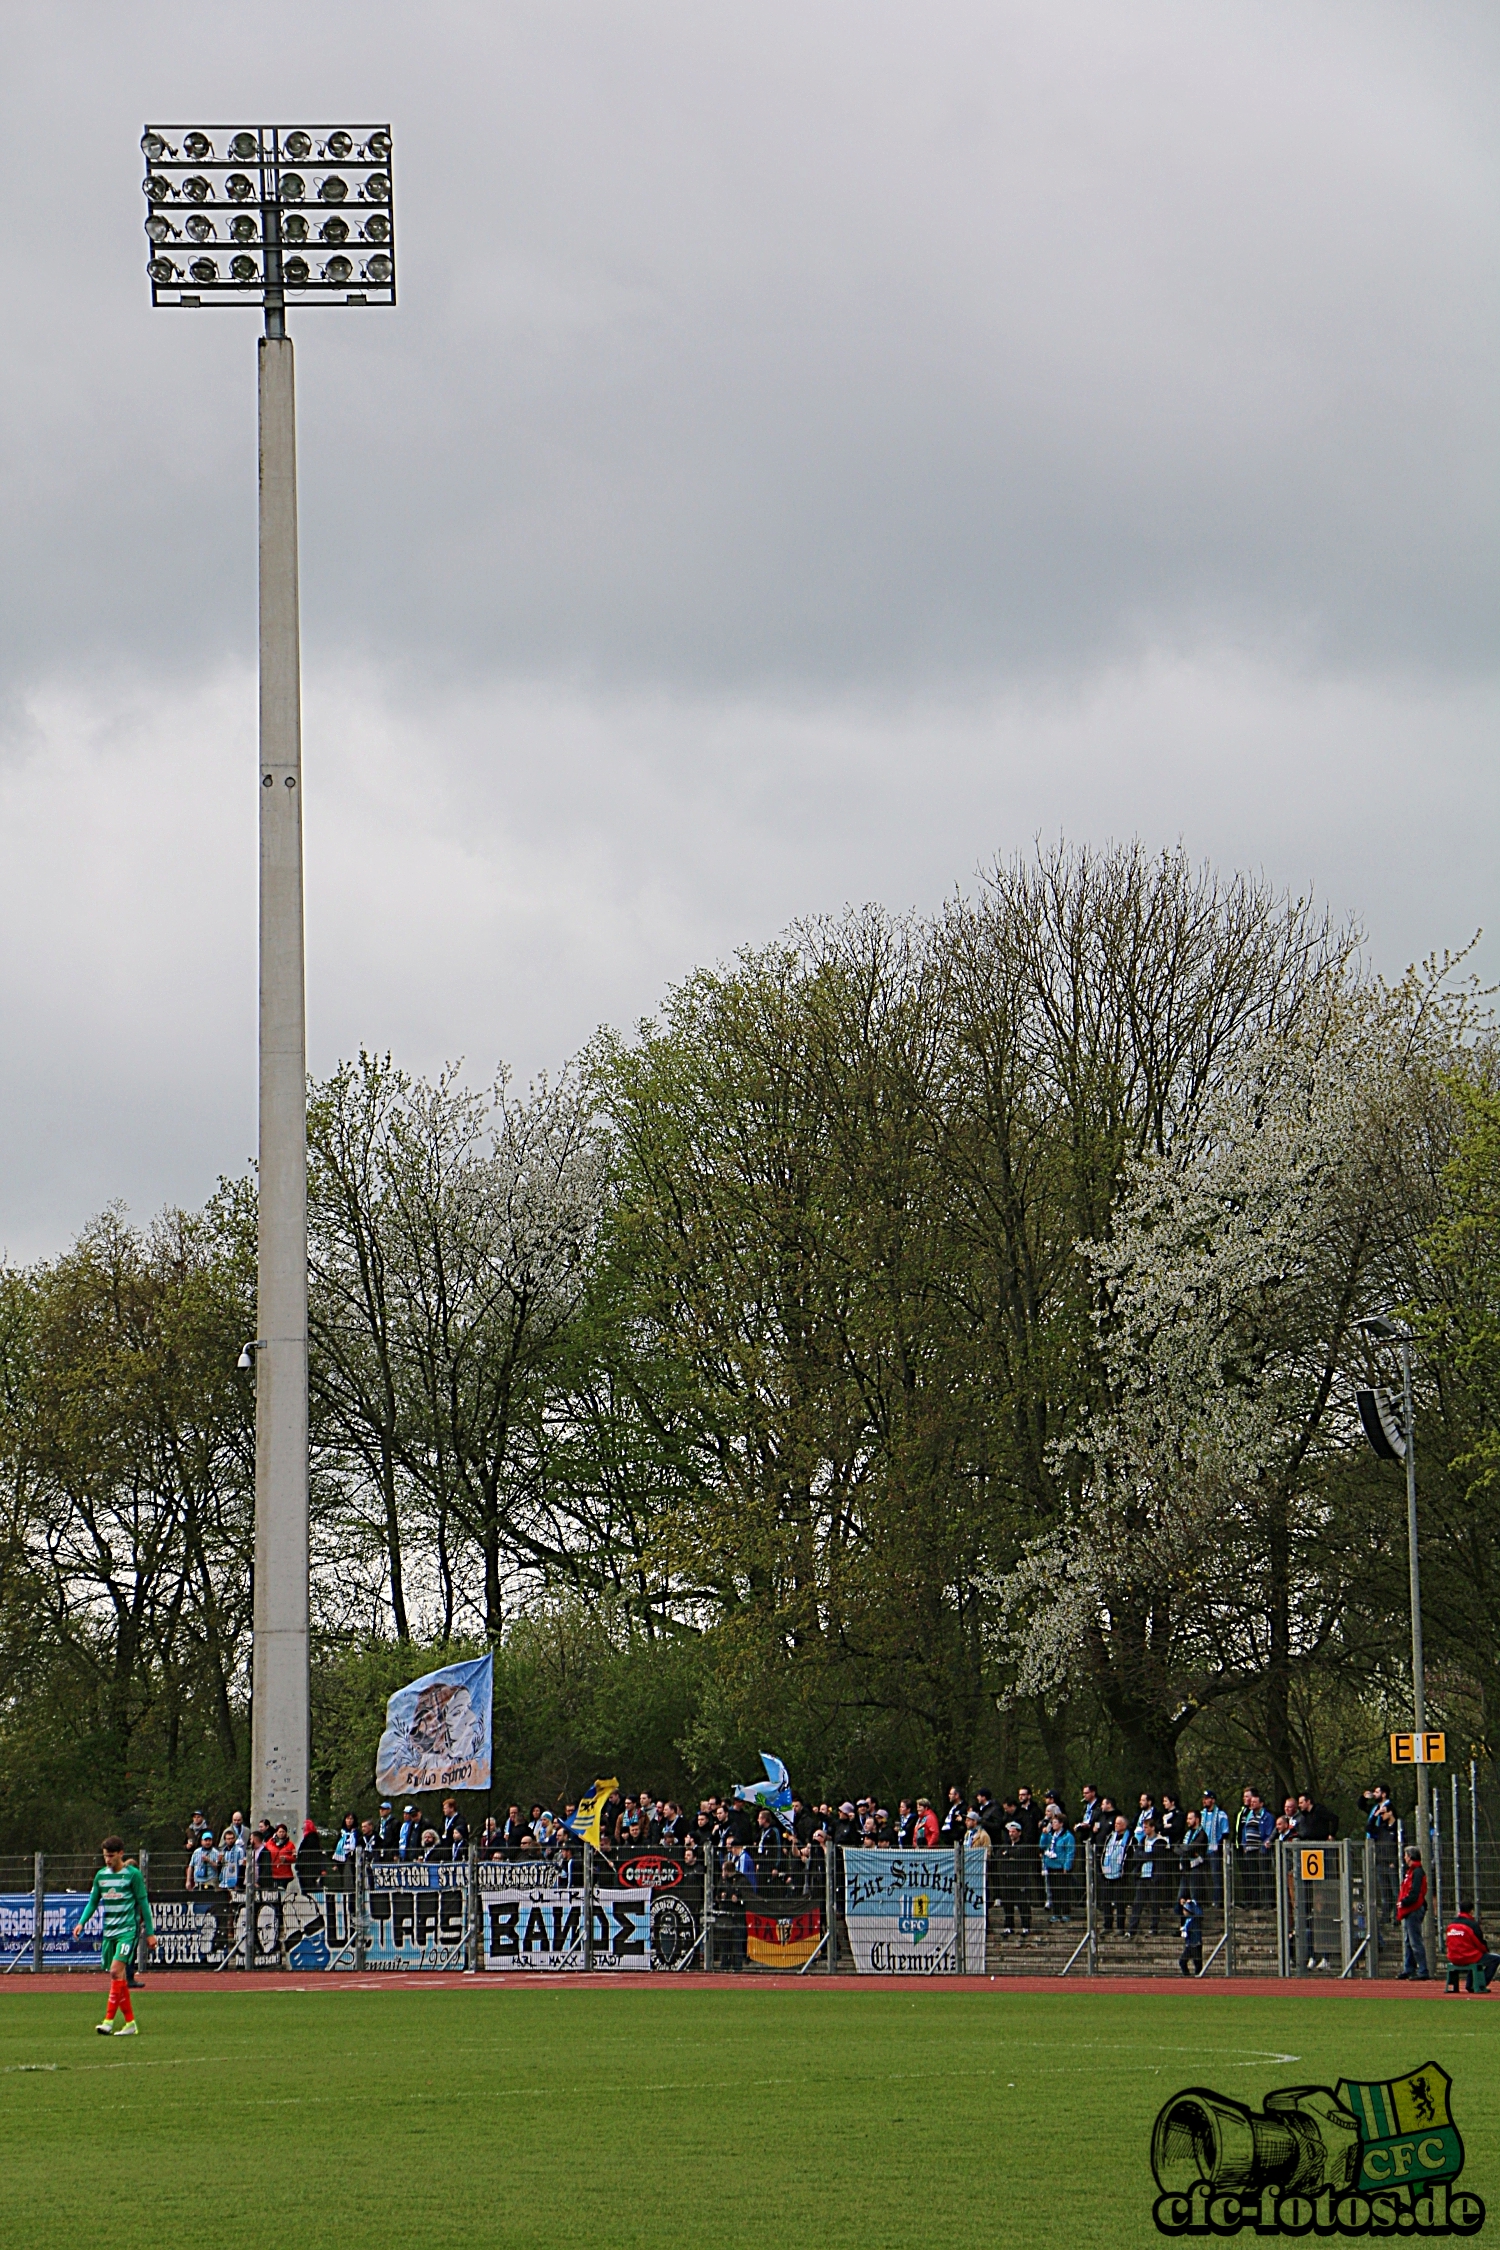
267, 215
1396, 1440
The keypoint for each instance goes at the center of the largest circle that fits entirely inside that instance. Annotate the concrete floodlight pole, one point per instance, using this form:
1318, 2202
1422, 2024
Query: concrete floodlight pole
260, 170
279, 1731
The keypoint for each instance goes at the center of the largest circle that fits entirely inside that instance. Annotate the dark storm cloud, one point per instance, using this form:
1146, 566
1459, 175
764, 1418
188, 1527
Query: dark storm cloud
790, 345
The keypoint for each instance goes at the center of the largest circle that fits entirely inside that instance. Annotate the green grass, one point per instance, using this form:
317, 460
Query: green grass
654, 2112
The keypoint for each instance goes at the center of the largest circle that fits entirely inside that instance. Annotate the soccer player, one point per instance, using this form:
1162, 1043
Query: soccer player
127, 1911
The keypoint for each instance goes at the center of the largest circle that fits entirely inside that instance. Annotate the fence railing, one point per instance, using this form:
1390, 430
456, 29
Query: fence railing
1303, 1909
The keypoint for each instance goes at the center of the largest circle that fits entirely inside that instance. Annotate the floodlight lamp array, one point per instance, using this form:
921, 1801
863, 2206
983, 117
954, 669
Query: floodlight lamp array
273, 215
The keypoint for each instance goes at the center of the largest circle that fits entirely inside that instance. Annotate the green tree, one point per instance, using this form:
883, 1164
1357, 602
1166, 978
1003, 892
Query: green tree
129, 1457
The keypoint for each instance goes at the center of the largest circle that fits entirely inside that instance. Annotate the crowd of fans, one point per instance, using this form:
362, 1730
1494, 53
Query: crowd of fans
1149, 1857
1159, 1859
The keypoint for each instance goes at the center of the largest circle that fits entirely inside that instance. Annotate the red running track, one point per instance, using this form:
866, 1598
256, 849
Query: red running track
425, 1980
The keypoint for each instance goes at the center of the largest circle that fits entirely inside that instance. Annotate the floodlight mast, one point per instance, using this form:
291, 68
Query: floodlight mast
262, 174
280, 1727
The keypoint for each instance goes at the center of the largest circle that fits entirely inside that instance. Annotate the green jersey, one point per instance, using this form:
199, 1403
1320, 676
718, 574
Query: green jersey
127, 1910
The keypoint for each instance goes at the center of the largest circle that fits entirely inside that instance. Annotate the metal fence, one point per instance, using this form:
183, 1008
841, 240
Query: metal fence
1304, 1910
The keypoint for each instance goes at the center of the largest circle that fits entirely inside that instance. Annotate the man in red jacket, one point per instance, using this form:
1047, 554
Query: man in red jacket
1410, 1908
1468, 1949
925, 1839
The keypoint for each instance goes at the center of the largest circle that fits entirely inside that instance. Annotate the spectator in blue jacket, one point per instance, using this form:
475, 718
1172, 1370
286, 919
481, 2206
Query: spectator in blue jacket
204, 1864
1215, 1827
1152, 1853
1057, 1866
1114, 1869
1257, 1837
1190, 1959
232, 1858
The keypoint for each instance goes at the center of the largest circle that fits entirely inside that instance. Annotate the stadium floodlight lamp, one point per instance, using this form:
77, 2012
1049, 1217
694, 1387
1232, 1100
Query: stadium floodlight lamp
263, 174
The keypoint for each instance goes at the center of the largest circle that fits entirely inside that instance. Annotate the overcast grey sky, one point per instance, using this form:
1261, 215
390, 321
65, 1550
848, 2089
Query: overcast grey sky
820, 447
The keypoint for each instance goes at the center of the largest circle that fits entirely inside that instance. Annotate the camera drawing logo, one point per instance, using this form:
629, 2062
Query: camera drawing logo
1365, 2157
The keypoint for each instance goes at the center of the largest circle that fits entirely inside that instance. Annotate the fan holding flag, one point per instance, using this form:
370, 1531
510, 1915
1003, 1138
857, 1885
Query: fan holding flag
773, 1795
587, 1820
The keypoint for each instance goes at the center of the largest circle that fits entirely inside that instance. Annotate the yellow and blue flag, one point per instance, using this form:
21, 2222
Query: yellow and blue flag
588, 1814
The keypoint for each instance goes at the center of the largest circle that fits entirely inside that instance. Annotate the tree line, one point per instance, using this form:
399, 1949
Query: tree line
926, 1348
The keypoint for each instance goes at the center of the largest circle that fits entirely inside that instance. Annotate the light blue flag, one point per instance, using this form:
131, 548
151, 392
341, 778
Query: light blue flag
774, 1794
437, 1731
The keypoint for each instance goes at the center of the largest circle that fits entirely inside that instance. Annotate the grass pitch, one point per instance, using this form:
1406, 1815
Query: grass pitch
655, 2112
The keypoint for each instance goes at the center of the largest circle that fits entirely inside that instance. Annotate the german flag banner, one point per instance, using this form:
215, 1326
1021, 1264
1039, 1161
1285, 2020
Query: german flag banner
784, 1941
1406, 2129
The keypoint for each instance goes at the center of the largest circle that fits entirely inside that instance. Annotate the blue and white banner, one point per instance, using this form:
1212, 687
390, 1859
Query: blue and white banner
67, 1942
437, 1731
530, 1918
900, 1910
542, 1928
414, 1919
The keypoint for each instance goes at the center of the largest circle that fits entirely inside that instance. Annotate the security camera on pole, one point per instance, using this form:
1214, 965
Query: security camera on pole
265, 215
1392, 1434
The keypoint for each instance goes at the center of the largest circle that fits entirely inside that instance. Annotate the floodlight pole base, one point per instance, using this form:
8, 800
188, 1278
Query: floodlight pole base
280, 1750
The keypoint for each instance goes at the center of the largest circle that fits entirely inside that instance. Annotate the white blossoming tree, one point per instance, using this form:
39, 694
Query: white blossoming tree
1220, 1512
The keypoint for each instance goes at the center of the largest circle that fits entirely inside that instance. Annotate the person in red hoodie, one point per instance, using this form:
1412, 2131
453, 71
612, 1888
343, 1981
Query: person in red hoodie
926, 1836
1410, 1908
1468, 1950
283, 1855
